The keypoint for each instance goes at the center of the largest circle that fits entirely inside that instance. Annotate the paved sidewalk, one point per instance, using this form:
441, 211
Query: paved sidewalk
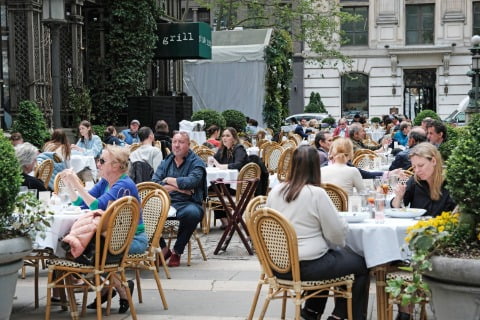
220, 288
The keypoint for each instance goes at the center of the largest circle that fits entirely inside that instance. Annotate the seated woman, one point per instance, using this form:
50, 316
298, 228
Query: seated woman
110, 137
321, 234
115, 183
26, 154
426, 188
60, 145
338, 172
231, 155
89, 143
213, 132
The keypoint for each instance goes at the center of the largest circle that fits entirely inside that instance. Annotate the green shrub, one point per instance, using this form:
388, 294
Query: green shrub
453, 134
375, 120
99, 130
79, 104
10, 179
235, 119
329, 120
31, 124
463, 175
210, 117
315, 105
424, 114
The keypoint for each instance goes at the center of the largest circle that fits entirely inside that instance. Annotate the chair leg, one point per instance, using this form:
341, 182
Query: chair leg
284, 305
36, 267
98, 297
49, 294
139, 288
200, 246
133, 313
257, 294
24, 272
71, 298
160, 290
264, 308
189, 252
164, 264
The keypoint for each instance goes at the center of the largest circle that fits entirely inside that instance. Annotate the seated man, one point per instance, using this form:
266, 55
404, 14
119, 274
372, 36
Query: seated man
302, 129
402, 159
131, 134
183, 174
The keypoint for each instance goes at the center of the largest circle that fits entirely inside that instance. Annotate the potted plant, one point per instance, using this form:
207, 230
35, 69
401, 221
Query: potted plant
20, 217
446, 249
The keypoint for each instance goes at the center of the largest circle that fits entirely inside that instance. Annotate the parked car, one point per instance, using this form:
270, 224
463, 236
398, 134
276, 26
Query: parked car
457, 117
306, 116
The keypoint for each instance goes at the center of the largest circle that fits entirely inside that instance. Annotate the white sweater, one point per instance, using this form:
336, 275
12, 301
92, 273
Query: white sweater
314, 218
343, 176
152, 155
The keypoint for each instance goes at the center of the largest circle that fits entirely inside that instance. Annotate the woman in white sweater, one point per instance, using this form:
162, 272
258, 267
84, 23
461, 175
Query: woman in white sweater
338, 172
321, 234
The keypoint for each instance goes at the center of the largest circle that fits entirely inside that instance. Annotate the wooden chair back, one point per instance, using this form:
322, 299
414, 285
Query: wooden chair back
289, 143
193, 143
249, 171
284, 164
44, 171
58, 184
134, 147
246, 144
204, 153
363, 151
338, 196
364, 161
272, 157
145, 187
155, 207
264, 148
254, 204
120, 222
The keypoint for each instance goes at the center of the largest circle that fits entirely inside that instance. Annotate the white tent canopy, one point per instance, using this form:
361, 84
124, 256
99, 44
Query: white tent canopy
235, 76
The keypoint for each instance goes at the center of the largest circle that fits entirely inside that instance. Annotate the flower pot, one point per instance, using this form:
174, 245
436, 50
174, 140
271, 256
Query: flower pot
455, 287
12, 252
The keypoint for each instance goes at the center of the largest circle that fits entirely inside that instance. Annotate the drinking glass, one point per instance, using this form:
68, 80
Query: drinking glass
210, 162
380, 208
65, 199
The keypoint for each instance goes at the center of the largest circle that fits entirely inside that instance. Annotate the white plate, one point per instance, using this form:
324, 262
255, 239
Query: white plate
354, 217
404, 212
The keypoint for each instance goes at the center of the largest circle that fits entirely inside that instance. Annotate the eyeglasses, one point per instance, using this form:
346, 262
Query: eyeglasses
102, 161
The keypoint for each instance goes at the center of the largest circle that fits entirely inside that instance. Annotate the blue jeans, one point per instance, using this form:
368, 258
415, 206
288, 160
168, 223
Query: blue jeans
139, 243
189, 214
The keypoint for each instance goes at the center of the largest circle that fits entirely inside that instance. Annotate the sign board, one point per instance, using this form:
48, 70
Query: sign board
184, 41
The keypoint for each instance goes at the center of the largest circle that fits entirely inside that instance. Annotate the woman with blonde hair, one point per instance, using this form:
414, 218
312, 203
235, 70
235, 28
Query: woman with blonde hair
338, 172
426, 188
321, 234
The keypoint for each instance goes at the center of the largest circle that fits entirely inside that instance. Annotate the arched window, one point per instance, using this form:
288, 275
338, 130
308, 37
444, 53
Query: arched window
354, 94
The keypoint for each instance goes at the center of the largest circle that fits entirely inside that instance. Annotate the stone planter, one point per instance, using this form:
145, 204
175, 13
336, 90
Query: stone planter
455, 287
12, 252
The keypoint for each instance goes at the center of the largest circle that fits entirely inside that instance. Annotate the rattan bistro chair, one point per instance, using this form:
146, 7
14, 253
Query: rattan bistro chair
44, 171
275, 242
155, 207
284, 164
272, 157
338, 196
364, 161
118, 225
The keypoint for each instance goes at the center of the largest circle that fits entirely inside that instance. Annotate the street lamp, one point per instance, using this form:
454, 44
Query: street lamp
474, 94
54, 17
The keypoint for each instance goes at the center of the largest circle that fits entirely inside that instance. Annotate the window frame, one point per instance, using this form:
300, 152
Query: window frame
356, 34
420, 30
365, 107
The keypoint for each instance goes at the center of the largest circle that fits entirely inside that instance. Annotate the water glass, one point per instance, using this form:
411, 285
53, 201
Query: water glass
44, 197
210, 162
34, 192
380, 208
23, 189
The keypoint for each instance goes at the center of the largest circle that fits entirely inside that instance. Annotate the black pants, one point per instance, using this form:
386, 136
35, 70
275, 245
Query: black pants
337, 263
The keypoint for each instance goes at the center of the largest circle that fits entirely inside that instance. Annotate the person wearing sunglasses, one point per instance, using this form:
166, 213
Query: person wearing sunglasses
114, 184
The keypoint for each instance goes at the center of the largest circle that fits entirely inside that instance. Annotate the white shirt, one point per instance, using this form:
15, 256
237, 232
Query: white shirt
343, 176
151, 155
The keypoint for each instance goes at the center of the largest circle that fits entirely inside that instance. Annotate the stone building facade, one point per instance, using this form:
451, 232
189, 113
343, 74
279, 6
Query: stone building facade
407, 56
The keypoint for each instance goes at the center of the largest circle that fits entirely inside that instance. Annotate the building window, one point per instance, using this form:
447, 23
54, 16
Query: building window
476, 18
420, 23
356, 33
354, 94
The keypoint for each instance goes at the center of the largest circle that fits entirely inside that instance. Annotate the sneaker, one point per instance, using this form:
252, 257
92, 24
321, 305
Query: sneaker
308, 314
174, 260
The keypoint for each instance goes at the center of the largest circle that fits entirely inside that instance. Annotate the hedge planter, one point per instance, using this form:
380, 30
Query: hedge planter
12, 252
455, 287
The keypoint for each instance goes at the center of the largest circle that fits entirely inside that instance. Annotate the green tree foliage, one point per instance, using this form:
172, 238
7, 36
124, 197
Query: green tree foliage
130, 37
375, 120
331, 121
424, 114
453, 134
315, 104
10, 179
235, 119
31, 123
317, 23
210, 117
463, 175
80, 105
278, 57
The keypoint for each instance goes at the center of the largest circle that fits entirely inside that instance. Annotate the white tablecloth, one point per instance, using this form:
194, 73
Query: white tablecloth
253, 151
227, 174
78, 162
379, 243
376, 134
199, 136
60, 225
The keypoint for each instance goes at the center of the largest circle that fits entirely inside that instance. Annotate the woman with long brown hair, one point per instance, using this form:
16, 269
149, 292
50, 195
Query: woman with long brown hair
59, 144
321, 234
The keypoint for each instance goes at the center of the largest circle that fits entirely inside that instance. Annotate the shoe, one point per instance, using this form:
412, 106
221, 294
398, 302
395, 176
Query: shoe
174, 260
124, 306
104, 299
55, 301
403, 316
308, 314
166, 256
